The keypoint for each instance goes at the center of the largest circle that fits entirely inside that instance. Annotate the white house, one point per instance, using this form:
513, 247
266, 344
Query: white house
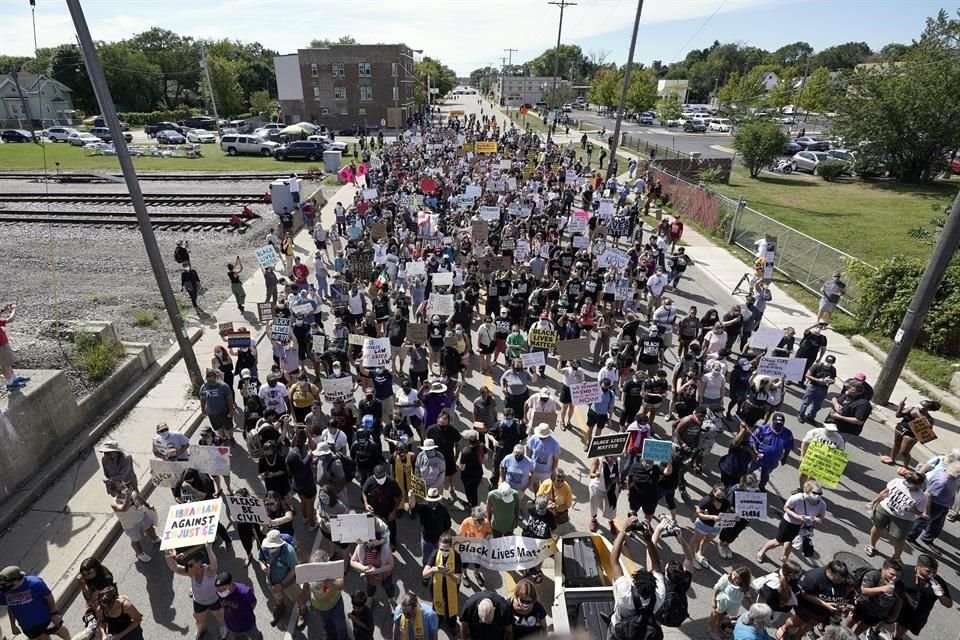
48, 101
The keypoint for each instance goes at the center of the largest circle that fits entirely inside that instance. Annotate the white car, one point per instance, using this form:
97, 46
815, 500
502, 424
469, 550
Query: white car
59, 134
82, 139
200, 135
723, 125
267, 128
329, 144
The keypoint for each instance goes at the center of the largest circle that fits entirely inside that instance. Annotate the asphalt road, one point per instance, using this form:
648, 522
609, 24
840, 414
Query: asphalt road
167, 606
708, 145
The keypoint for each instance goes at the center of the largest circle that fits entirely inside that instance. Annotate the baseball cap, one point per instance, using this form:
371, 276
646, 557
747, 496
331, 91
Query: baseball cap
861, 376
830, 359
778, 418
11, 574
223, 578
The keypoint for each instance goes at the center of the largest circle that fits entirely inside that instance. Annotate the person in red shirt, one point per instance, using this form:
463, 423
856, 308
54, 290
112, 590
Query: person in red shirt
676, 230
300, 273
7, 314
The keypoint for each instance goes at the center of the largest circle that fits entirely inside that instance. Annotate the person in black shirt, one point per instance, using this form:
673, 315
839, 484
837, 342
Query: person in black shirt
508, 433
879, 599
434, 521
447, 437
470, 464
540, 523
486, 615
812, 347
852, 413
819, 378
382, 497
632, 397
824, 593
923, 588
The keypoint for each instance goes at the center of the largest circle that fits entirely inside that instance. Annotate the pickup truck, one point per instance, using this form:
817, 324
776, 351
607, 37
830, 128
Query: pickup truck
584, 589
153, 129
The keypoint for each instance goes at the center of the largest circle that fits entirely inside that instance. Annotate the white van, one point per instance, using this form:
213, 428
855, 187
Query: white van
235, 144
723, 125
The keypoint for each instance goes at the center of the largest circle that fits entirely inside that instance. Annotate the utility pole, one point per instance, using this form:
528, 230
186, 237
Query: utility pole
206, 72
24, 105
803, 85
109, 111
563, 4
623, 93
919, 305
510, 55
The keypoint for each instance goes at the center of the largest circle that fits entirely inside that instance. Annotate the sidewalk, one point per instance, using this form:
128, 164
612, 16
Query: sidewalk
72, 520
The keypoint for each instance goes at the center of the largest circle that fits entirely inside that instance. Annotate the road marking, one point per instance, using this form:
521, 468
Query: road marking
720, 147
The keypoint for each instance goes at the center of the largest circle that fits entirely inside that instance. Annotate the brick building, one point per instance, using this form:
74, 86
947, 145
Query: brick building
343, 86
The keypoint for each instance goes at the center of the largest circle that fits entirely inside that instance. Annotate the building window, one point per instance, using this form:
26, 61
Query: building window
339, 93
337, 69
313, 71
396, 93
364, 69
393, 69
324, 111
361, 111
316, 93
366, 93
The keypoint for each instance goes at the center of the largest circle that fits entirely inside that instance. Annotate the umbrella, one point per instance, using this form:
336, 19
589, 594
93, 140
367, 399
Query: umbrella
292, 130
308, 127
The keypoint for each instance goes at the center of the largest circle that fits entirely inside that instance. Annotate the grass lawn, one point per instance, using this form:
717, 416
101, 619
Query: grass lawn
25, 157
867, 219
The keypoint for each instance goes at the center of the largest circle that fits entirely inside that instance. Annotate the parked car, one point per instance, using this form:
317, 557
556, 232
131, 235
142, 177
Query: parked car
235, 144
723, 125
792, 148
844, 155
809, 143
104, 134
168, 136
674, 122
310, 150
808, 160
16, 135
242, 126
349, 131
82, 139
788, 120
645, 118
567, 108
59, 134
328, 144
100, 122
267, 128
153, 129
200, 135
696, 125
199, 122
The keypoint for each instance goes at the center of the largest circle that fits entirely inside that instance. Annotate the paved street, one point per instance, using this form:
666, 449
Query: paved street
167, 606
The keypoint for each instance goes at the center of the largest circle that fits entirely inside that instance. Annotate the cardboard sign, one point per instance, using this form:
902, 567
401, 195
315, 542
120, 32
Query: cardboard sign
355, 339
613, 258
337, 389
571, 176
369, 194
351, 527
542, 338
657, 450
766, 338
190, 524
922, 429
166, 473
508, 244
418, 486
623, 293
441, 304
751, 504
280, 329
214, 461
378, 230
267, 256
416, 268
490, 213
608, 445
417, 332
485, 147
376, 352
494, 263
442, 279
480, 230
824, 463
509, 553
575, 349
248, 509
585, 393
785, 368
579, 222
607, 208
726, 520
225, 327
302, 309
319, 571
535, 359
548, 418
264, 311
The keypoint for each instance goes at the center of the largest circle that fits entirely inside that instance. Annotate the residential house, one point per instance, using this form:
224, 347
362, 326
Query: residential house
48, 101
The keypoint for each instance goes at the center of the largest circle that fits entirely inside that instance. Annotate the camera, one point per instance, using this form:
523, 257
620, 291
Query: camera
640, 525
672, 530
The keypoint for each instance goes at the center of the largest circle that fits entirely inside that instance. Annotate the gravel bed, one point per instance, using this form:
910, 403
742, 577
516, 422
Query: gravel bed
152, 186
86, 273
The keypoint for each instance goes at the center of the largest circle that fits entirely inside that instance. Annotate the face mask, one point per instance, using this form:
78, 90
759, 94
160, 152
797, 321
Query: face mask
753, 488
382, 480
432, 453
541, 510
518, 458
325, 500
223, 594
815, 499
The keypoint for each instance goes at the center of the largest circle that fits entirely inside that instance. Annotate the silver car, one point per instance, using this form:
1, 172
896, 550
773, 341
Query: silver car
808, 160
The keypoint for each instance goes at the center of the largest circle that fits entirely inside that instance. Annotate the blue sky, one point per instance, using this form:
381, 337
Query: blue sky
466, 34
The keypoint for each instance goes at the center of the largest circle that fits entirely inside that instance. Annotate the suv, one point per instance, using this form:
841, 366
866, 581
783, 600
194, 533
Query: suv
104, 134
59, 134
723, 125
235, 143
199, 122
311, 150
645, 118
153, 129
696, 125
100, 122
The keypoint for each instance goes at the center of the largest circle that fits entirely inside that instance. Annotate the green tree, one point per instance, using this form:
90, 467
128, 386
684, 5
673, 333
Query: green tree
605, 88
893, 51
790, 55
642, 92
668, 108
178, 59
13, 63
323, 43
483, 77
758, 142
842, 56
224, 76
782, 94
818, 93
262, 103
442, 78
742, 91
905, 114
573, 63
131, 76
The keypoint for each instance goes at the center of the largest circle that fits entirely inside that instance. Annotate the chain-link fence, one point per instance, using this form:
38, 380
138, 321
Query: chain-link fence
651, 150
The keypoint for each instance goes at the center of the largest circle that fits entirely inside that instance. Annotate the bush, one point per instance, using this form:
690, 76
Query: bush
831, 169
140, 118
867, 167
144, 319
95, 357
711, 175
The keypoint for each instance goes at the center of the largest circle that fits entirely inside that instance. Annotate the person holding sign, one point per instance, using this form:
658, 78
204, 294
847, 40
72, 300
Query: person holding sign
326, 598
599, 412
904, 437
373, 560
203, 589
234, 269
706, 525
806, 509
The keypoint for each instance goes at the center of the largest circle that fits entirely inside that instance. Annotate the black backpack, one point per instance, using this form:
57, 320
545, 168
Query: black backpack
364, 453
856, 581
674, 610
642, 625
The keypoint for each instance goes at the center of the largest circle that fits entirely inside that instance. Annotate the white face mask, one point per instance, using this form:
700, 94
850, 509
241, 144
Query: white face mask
813, 498
380, 480
223, 594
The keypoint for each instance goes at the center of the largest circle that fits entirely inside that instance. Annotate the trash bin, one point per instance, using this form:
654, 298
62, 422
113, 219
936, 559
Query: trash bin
331, 161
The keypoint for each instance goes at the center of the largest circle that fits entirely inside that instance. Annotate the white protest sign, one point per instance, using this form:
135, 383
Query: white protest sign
509, 553
585, 393
766, 338
578, 224
473, 191
335, 389
442, 279
613, 258
785, 368
376, 352
489, 213
302, 309
623, 293
369, 194
522, 251
247, 509
351, 527
214, 461
512, 184
571, 176
535, 359
166, 473
190, 524
441, 304
580, 242
319, 571
751, 504
267, 256
379, 254
726, 520
606, 208
416, 268
506, 164
280, 329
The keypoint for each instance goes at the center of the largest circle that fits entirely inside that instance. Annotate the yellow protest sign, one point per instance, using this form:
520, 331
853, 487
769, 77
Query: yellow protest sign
543, 338
486, 147
418, 486
824, 463
468, 146
456, 113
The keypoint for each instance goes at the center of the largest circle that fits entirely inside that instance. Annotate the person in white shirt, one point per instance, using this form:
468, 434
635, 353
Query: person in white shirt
665, 316
655, 286
609, 372
274, 395
170, 445
826, 434
273, 240
572, 375
541, 402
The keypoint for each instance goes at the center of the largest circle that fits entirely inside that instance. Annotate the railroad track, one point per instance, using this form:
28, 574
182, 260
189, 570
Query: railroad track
152, 199
170, 221
116, 177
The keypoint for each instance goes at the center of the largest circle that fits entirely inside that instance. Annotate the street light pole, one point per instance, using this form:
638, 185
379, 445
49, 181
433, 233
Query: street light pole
623, 93
109, 111
919, 305
563, 4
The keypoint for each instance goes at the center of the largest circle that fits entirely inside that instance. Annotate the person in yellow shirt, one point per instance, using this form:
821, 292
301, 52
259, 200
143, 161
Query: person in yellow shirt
303, 393
560, 496
476, 526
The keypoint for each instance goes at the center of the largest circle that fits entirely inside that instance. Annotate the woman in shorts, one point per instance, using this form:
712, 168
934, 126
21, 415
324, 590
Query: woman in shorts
203, 591
706, 526
807, 508
903, 436
895, 509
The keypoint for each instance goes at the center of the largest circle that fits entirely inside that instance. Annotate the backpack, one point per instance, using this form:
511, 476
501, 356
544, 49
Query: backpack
642, 625
856, 579
363, 453
641, 478
254, 443
674, 610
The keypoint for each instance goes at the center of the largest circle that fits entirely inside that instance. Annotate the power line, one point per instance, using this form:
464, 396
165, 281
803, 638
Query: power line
699, 29
563, 4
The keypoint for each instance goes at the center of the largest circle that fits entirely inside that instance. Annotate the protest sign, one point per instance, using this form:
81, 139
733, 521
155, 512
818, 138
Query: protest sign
623, 293
922, 429
450, 341
377, 231
376, 352
585, 393
318, 572
225, 327
508, 244
750, 504
416, 268
418, 486
247, 509
335, 389
351, 527
727, 520
264, 311
239, 340
442, 279
606, 208
355, 339
579, 222
480, 230
417, 332
575, 349
428, 185
548, 418
441, 304
192, 523
490, 264
302, 309
542, 338
267, 256
613, 258
473, 191
609, 445
522, 251
535, 359
657, 450
824, 463
580, 242
512, 184
490, 213
509, 553
766, 338
506, 164
485, 147
369, 194
280, 329
214, 461
785, 368
166, 473
570, 176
